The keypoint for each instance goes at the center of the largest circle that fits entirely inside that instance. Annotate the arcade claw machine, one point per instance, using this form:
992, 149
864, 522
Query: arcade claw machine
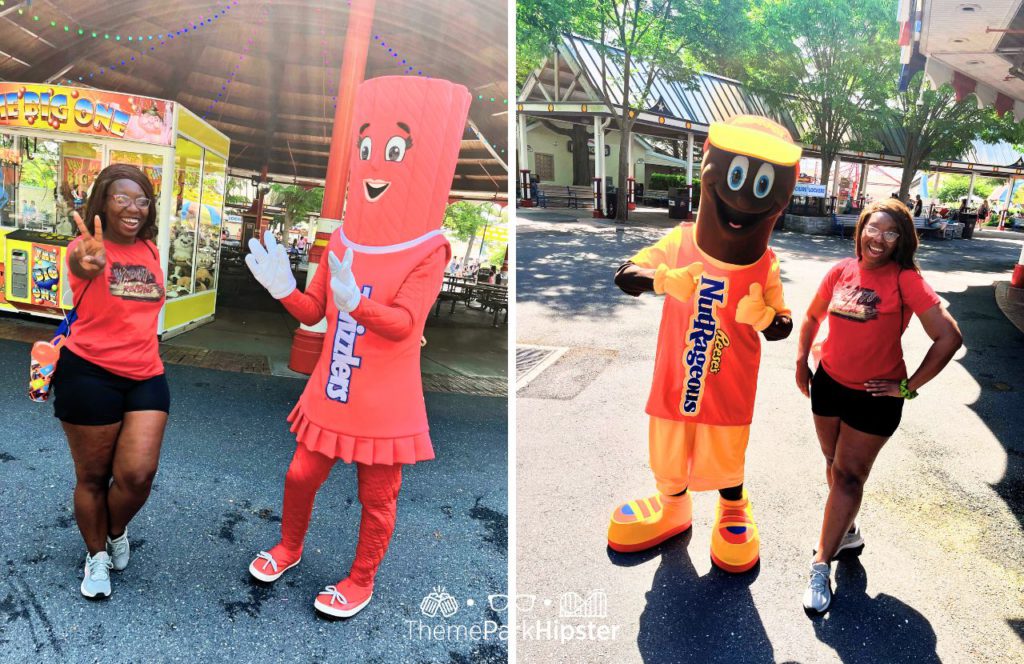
54, 141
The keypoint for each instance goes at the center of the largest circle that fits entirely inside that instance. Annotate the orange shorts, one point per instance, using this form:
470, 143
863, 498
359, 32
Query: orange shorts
701, 457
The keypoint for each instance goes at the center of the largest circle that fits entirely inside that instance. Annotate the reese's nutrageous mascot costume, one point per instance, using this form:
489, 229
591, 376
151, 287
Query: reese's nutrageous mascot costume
722, 287
364, 402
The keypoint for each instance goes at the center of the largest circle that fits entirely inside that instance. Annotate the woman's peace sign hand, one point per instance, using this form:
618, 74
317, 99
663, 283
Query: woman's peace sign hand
89, 255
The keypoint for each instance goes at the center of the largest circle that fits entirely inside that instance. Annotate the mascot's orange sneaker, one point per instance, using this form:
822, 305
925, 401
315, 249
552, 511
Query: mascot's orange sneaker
646, 522
735, 543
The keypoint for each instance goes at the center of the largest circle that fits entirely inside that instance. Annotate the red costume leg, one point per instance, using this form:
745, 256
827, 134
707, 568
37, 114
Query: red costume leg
306, 474
378, 494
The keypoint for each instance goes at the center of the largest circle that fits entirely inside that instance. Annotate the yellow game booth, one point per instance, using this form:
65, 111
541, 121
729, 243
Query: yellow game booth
54, 140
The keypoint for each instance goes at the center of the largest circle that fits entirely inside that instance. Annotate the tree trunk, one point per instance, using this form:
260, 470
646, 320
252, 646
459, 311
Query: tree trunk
582, 171
905, 180
826, 174
625, 136
622, 195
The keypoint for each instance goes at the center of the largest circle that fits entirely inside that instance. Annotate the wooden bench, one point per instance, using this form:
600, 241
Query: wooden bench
655, 197
580, 198
843, 222
454, 290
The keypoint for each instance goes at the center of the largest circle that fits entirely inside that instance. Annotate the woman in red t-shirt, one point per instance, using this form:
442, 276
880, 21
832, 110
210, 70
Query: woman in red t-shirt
858, 390
109, 389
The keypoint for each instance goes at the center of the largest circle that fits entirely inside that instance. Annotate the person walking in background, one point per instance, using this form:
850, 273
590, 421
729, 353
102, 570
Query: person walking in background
858, 390
983, 212
918, 204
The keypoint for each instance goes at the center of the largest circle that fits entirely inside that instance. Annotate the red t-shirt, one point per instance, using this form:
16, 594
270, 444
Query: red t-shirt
117, 316
868, 312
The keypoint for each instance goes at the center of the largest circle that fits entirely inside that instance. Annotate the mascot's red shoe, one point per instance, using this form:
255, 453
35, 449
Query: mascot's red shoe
735, 542
343, 600
646, 522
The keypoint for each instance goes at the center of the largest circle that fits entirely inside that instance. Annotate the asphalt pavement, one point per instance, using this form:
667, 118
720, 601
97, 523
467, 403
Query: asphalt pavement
942, 575
216, 502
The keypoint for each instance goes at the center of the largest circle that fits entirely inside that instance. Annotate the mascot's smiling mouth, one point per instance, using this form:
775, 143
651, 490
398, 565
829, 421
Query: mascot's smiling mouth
375, 188
736, 220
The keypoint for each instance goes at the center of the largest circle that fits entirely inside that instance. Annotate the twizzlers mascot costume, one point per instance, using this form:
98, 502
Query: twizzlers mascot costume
364, 402
722, 288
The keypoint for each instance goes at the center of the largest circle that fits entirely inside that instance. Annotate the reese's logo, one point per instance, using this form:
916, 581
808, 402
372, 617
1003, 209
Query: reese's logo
704, 341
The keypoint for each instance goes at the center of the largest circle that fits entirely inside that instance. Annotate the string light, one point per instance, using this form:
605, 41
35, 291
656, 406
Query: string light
161, 41
223, 94
96, 34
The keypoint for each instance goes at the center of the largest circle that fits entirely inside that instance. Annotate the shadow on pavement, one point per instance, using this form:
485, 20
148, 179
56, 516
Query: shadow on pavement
692, 618
574, 270
860, 627
994, 348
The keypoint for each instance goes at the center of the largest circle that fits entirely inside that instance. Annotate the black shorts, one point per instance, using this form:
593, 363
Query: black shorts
878, 416
85, 393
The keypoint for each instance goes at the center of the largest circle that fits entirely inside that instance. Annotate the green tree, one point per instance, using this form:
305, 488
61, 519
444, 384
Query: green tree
236, 192
830, 63
298, 202
464, 220
935, 126
539, 24
955, 187
670, 38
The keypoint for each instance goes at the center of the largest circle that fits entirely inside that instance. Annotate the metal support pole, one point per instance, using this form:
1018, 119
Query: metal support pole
599, 207
308, 341
689, 172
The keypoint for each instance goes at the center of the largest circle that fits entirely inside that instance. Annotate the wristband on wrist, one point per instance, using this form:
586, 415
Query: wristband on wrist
905, 390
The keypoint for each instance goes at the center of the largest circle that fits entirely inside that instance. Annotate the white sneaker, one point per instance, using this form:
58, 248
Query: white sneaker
97, 575
119, 551
818, 595
851, 540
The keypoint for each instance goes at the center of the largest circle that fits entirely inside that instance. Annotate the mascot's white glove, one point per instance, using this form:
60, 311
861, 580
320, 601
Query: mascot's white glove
343, 283
270, 266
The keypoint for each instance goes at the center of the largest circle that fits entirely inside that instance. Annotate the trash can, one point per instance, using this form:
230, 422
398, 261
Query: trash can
612, 202
677, 203
969, 220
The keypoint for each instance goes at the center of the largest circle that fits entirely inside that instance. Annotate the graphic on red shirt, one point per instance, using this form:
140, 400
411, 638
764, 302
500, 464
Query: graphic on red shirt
855, 303
135, 282
868, 311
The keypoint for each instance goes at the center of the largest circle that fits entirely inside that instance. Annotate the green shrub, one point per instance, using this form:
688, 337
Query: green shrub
664, 181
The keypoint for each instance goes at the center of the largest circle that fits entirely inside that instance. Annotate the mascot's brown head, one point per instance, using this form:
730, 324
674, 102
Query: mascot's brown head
750, 169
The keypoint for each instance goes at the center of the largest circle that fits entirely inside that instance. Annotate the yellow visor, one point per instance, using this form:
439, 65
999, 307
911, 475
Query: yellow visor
754, 143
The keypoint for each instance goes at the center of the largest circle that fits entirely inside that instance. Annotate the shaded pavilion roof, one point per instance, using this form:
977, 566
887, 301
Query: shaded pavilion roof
570, 85
266, 73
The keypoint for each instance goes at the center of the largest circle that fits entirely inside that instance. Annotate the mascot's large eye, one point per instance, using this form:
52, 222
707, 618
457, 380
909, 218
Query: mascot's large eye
395, 149
365, 148
763, 180
738, 172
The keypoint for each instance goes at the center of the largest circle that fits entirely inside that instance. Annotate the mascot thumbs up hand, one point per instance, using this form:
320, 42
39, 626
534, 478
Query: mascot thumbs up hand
753, 311
680, 282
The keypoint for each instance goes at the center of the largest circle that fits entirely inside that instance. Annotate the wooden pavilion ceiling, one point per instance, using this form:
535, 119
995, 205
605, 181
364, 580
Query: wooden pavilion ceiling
266, 72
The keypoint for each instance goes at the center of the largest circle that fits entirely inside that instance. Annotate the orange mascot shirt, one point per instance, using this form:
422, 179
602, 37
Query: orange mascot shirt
705, 369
